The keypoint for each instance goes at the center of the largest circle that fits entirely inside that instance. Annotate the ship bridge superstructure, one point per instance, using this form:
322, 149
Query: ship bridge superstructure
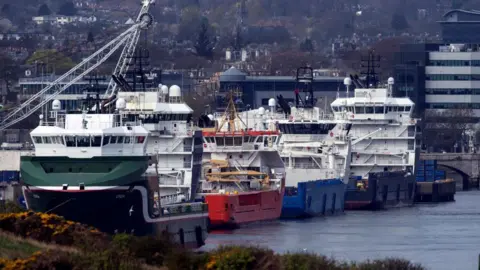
314, 144
247, 157
383, 130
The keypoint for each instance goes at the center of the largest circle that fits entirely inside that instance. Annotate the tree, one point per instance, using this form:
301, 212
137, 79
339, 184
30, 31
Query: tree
90, 37
54, 61
443, 129
205, 40
9, 72
237, 41
43, 10
6, 10
189, 22
307, 45
399, 22
68, 9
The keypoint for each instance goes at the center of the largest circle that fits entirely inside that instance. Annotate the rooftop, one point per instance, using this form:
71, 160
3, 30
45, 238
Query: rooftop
234, 75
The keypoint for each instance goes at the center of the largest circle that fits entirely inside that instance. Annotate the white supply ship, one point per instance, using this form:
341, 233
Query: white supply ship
384, 147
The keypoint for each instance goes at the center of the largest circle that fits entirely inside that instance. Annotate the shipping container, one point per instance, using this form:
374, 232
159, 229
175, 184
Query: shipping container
10, 176
430, 162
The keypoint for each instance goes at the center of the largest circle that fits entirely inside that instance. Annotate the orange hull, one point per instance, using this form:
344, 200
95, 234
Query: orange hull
234, 209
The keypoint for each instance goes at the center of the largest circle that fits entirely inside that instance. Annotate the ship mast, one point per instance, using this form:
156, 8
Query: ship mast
230, 116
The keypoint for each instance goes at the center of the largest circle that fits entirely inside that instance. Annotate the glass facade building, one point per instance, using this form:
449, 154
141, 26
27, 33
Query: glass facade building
255, 91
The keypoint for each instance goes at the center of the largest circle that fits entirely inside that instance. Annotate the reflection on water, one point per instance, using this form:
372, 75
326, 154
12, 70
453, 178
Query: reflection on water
442, 236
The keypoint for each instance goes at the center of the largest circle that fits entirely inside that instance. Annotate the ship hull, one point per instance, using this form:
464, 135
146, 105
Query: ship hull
106, 192
233, 210
385, 190
314, 198
95, 171
120, 209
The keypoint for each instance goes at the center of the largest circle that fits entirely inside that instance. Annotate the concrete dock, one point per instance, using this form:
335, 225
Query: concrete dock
437, 191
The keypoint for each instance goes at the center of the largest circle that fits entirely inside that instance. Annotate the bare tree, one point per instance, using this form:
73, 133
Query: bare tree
444, 129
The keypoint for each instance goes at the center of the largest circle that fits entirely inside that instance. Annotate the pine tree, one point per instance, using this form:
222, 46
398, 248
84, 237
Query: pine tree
90, 37
43, 10
399, 22
205, 42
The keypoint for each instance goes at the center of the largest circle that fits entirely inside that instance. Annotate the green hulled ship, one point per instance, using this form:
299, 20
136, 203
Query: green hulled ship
89, 168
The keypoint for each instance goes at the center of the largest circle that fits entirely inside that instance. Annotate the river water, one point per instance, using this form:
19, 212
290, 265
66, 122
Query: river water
439, 236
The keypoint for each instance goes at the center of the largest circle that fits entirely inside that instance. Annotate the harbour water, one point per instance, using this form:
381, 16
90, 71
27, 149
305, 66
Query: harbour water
439, 236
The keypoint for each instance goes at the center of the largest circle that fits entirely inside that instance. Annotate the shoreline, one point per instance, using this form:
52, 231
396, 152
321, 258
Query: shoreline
35, 240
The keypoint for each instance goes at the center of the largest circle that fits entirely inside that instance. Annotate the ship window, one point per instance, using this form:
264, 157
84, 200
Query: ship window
379, 110
61, 141
228, 141
408, 108
359, 109
260, 139
220, 141
140, 139
47, 139
83, 141
119, 139
96, 141
37, 139
106, 140
245, 138
349, 109
70, 140
237, 141
127, 140
368, 109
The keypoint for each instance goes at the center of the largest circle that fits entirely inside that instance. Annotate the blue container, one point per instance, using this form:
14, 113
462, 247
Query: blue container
10, 176
430, 162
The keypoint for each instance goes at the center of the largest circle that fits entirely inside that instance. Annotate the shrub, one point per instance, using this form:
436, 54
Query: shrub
237, 257
53, 228
308, 261
390, 264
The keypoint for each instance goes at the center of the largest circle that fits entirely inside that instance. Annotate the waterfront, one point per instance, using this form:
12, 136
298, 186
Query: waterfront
439, 236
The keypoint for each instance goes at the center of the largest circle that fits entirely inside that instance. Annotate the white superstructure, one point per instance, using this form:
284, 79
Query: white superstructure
383, 131
87, 134
238, 160
172, 139
313, 145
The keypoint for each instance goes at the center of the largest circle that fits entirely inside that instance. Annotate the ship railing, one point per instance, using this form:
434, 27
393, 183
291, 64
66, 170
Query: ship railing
53, 124
184, 209
174, 198
168, 181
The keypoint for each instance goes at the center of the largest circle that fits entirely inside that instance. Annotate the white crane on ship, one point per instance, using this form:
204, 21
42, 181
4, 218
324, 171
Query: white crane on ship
129, 38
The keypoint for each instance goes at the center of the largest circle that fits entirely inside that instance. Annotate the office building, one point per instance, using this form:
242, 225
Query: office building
255, 91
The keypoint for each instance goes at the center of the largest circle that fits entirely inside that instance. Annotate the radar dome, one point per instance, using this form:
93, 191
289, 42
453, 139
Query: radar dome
272, 102
164, 89
347, 81
56, 105
120, 104
261, 111
175, 91
210, 116
390, 80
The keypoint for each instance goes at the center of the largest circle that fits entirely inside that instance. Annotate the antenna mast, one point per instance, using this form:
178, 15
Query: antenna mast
373, 61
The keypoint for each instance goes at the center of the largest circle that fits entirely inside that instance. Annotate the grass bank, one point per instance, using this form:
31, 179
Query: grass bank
43, 241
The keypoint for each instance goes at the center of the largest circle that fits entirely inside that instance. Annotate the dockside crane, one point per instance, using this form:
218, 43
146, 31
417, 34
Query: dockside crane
129, 38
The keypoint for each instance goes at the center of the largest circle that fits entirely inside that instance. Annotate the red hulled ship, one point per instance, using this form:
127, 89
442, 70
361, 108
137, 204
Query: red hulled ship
243, 175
